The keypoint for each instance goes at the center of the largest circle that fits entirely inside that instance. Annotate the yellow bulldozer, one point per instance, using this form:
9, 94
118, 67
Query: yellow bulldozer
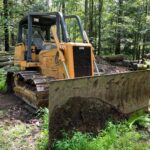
57, 63
58, 68
45, 52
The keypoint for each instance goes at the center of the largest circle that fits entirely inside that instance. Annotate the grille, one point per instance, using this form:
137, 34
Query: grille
82, 61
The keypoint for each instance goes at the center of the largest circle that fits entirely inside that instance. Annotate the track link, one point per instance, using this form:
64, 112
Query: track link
32, 88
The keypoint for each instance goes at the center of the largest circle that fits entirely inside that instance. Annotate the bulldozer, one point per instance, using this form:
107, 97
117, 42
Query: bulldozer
44, 52
57, 62
58, 69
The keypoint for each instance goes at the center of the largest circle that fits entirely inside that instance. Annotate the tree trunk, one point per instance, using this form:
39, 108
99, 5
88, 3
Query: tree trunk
100, 25
91, 19
144, 36
63, 7
119, 21
47, 5
3, 64
12, 39
95, 30
114, 58
85, 14
6, 31
134, 48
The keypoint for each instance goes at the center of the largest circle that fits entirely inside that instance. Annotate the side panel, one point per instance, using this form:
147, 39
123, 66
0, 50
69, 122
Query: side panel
19, 52
48, 64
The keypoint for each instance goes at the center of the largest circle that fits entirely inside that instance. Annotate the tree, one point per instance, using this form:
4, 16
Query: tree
119, 24
100, 25
6, 28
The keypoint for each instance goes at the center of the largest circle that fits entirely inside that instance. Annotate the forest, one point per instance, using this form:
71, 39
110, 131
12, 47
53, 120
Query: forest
113, 26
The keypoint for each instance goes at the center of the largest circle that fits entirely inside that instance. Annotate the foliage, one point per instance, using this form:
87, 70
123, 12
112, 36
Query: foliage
139, 118
114, 137
116, 25
3, 76
77, 142
3, 86
42, 142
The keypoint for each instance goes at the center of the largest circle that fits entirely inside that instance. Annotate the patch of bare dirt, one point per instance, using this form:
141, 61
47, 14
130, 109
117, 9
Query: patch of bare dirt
107, 68
16, 109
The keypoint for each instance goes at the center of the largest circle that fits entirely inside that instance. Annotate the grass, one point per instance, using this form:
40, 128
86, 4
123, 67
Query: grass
3, 86
3, 76
114, 137
139, 118
42, 142
78, 141
15, 137
119, 136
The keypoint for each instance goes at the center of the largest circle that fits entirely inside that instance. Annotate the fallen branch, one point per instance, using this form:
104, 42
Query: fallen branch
114, 58
3, 64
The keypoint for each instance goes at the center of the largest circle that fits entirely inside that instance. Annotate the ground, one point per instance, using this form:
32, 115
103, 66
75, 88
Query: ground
19, 126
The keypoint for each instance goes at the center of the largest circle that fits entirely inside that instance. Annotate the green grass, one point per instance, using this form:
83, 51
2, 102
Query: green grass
119, 136
78, 141
15, 137
3, 76
3, 86
114, 137
42, 142
139, 118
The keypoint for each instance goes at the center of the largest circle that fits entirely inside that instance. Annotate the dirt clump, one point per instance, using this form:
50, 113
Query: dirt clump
82, 115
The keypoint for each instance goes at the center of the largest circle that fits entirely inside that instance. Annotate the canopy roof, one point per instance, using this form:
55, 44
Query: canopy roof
40, 19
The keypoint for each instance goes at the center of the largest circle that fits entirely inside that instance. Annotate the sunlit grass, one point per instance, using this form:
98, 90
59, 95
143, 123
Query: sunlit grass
3, 86
15, 137
113, 137
42, 141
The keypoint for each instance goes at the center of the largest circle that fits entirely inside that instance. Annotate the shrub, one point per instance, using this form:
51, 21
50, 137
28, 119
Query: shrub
114, 137
42, 142
77, 142
3, 86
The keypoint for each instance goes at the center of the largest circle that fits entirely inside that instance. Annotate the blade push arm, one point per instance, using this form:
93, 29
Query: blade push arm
61, 56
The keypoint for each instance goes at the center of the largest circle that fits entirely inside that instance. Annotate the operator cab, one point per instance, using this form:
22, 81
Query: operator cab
35, 32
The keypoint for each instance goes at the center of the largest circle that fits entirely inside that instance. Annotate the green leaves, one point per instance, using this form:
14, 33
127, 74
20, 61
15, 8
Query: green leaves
113, 137
139, 118
77, 142
3, 86
42, 142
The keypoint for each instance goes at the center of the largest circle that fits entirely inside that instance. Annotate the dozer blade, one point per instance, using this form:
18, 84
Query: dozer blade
126, 92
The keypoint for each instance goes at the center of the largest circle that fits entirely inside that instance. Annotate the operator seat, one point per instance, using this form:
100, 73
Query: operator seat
37, 41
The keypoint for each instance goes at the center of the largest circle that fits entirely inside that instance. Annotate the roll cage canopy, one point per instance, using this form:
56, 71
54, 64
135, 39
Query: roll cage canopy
46, 20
